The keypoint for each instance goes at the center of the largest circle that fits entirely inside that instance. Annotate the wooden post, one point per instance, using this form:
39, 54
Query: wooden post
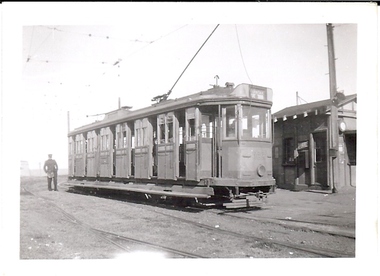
333, 124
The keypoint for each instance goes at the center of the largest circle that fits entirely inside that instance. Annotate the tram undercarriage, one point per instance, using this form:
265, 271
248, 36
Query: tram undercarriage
204, 194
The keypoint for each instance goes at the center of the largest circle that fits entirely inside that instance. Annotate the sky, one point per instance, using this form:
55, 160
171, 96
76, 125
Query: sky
72, 72
59, 57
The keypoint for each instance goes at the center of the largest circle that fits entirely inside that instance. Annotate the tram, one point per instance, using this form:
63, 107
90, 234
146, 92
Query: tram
213, 147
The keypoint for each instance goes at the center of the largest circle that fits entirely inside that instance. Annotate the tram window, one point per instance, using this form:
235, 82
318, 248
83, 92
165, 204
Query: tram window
120, 140
105, 142
144, 136
93, 144
125, 140
133, 142
161, 129
180, 135
230, 121
79, 144
255, 123
256, 127
170, 129
70, 146
207, 126
191, 134
138, 138
89, 145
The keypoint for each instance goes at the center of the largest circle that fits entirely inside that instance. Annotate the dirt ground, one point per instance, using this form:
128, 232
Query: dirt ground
60, 226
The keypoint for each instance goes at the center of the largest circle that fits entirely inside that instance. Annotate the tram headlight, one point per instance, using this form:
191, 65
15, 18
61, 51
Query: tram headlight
261, 170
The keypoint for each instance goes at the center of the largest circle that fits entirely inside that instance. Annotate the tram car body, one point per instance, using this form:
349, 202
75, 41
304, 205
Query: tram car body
214, 147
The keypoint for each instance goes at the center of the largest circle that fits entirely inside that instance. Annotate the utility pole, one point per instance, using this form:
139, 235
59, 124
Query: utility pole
68, 121
333, 124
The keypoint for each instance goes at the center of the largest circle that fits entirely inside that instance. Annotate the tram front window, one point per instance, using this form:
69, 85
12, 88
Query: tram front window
255, 123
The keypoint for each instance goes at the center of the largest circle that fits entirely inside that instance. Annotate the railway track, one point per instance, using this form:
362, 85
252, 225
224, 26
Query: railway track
318, 251
119, 241
305, 248
122, 241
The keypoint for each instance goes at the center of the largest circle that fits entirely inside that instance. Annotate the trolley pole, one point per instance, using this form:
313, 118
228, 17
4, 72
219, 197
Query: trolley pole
333, 124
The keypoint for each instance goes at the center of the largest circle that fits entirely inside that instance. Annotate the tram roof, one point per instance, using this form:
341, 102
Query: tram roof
216, 95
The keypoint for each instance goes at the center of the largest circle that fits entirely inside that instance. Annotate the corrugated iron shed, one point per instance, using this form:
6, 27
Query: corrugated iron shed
321, 106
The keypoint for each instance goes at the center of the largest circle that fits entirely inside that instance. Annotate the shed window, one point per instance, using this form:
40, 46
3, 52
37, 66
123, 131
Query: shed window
289, 150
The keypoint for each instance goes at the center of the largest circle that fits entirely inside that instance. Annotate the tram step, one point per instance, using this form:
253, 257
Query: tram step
243, 203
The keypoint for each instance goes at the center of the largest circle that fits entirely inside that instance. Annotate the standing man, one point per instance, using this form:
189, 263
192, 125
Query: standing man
51, 169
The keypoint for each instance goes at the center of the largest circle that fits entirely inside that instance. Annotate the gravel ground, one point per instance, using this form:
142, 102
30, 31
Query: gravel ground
60, 226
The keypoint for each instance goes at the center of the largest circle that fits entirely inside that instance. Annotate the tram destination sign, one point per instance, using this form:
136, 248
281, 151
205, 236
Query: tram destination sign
258, 93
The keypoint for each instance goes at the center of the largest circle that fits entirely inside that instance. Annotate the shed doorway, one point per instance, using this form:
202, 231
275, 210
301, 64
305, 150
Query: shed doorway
320, 158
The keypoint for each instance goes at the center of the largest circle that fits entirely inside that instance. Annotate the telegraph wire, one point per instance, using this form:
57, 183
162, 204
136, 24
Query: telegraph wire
241, 55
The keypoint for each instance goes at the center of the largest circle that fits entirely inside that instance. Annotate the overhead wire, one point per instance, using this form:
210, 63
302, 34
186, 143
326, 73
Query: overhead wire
148, 43
153, 41
43, 42
30, 45
163, 97
241, 55
91, 35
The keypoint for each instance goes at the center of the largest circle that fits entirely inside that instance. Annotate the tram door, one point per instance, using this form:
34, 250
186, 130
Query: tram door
80, 157
167, 146
123, 150
106, 152
199, 144
71, 156
143, 148
191, 143
92, 156
207, 145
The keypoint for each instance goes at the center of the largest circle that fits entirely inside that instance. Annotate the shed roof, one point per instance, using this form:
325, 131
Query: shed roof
322, 106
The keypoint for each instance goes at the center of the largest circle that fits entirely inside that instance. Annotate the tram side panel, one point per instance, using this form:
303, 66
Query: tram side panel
80, 156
